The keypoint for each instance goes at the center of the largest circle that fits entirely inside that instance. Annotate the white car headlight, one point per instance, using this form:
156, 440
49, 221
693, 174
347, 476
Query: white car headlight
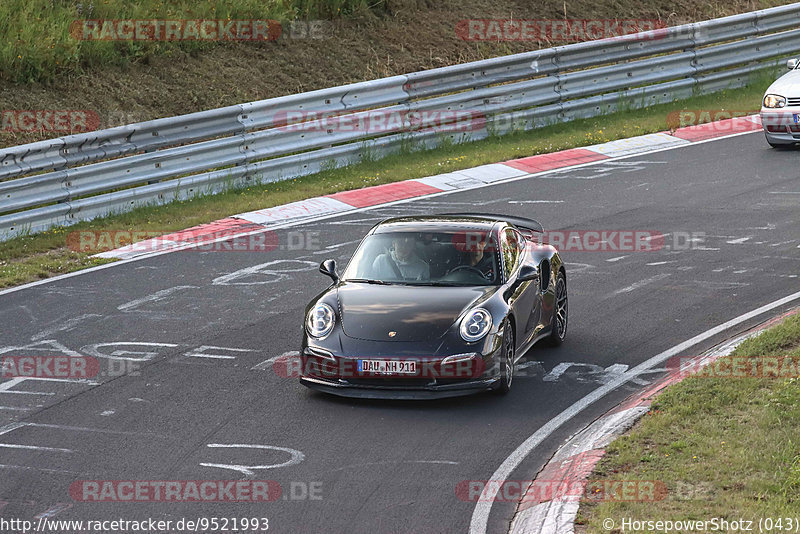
774, 101
320, 320
475, 324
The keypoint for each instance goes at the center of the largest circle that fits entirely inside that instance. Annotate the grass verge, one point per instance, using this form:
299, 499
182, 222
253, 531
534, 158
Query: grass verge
29, 258
36, 44
725, 448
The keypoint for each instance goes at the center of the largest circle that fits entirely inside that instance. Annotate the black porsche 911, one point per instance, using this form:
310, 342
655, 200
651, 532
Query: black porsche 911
434, 306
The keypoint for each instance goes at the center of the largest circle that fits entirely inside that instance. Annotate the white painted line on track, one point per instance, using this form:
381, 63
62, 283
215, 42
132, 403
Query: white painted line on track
299, 222
142, 356
536, 201
480, 515
42, 469
48, 345
200, 352
26, 392
273, 275
269, 362
53, 510
69, 324
641, 283
5, 386
33, 448
155, 297
11, 427
295, 457
14, 426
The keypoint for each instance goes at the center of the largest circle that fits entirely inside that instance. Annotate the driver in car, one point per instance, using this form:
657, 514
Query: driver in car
404, 256
478, 258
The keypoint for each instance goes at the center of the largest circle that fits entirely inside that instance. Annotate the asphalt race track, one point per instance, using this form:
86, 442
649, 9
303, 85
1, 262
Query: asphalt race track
199, 331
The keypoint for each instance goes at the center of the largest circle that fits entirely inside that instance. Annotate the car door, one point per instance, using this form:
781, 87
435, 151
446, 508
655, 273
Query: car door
523, 296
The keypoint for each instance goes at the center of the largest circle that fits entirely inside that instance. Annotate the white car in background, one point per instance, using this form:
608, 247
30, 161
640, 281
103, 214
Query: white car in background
780, 108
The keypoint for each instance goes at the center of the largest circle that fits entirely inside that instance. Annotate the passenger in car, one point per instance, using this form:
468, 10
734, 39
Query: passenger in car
404, 256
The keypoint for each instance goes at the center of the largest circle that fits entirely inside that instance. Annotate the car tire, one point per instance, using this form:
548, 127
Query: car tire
507, 352
780, 146
559, 320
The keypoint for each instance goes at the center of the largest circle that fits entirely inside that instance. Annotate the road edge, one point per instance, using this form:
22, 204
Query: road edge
566, 474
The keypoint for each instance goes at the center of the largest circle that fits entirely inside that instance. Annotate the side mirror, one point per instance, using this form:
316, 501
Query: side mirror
528, 272
791, 64
328, 267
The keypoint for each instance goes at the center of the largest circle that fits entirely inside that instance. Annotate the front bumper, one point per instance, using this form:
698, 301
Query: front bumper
779, 125
442, 369
343, 388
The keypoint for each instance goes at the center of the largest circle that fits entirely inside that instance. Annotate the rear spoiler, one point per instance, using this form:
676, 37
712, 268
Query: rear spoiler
521, 222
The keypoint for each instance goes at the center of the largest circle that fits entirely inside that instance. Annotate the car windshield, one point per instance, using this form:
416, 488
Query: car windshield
455, 258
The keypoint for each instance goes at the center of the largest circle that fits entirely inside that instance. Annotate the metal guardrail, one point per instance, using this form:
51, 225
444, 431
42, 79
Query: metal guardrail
80, 177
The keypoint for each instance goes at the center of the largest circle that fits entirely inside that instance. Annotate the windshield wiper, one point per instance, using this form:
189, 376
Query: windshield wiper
440, 284
405, 283
369, 281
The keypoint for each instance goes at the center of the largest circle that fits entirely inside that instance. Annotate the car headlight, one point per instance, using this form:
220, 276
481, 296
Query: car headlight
475, 324
320, 320
774, 101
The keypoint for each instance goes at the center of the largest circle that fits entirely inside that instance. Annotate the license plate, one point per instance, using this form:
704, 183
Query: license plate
387, 367
796, 117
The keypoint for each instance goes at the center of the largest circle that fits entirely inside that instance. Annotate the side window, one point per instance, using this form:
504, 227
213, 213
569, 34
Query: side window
511, 251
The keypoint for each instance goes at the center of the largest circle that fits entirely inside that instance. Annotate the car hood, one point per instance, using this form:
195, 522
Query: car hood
787, 85
371, 312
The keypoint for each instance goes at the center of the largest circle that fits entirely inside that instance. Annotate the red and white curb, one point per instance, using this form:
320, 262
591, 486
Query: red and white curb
295, 212
567, 473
